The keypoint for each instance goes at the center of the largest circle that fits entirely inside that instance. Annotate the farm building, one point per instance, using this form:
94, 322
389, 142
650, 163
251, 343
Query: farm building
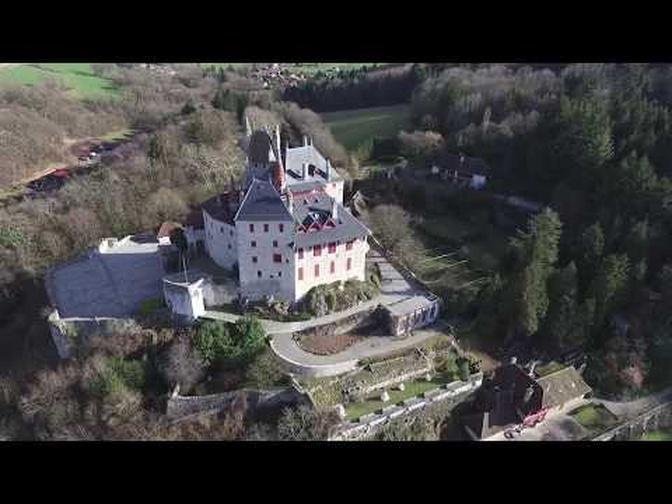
513, 396
463, 170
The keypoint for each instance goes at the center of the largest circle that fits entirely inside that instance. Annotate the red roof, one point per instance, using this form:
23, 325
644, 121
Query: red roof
167, 228
61, 173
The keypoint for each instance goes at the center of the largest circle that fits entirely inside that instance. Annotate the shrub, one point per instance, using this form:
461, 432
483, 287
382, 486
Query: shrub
338, 296
265, 371
306, 424
115, 375
213, 341
181, 364
239, 342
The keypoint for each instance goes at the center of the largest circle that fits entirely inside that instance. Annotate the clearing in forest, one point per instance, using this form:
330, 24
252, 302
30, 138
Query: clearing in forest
355, 127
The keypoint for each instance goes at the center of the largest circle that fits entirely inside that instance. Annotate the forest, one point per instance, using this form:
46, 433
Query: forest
592, 142
592, 271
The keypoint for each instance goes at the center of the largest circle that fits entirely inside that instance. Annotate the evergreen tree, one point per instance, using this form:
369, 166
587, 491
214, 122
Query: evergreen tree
536, 252
610, 287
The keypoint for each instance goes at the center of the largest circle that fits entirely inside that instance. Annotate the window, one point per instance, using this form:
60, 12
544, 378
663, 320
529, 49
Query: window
348, 264
258, 274
279, 274
251, 228
231, 232
229, 246
317, 250
265, 228
282, 228
221, 229
348, 245
275, 243
332, 267
254, 259
253, 244
300, 273
277, 258
332, 248
317, 270
300, 253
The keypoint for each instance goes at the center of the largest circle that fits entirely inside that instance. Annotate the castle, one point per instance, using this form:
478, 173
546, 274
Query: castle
286, 231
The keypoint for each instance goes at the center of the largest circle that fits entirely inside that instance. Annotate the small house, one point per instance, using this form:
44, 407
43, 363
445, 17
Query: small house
514, 397
464, 170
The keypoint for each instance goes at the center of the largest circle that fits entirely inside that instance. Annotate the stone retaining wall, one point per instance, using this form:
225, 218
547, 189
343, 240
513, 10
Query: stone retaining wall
183, 407
656, 418
370, 424
69, 334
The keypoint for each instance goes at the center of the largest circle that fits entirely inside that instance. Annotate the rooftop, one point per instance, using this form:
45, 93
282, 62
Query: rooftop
313, 213
262, 203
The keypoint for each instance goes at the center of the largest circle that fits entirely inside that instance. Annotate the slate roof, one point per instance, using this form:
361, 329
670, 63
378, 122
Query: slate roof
469, 165
562, 386
295, 157
317, 207
259, 148
222, 207
262, 203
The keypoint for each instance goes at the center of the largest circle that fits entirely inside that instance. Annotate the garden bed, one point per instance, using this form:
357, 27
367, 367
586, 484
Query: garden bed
595, 418
326, 344
414, 388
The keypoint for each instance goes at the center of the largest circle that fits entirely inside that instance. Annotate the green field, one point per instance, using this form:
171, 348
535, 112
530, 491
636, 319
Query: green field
660, 435
353, 128
78, 77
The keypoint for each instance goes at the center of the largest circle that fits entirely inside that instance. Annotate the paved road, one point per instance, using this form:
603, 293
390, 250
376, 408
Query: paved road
394, 289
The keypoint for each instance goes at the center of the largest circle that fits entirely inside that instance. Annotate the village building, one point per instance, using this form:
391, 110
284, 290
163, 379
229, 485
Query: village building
515, 397
462, 170
286, 230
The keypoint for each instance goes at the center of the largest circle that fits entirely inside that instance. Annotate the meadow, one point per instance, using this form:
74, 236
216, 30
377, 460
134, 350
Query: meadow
353, 128
78, 77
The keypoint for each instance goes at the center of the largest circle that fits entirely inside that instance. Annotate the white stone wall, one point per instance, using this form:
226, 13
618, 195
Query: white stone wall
335, 190
186, 300
357, 269
220, 241
276, 278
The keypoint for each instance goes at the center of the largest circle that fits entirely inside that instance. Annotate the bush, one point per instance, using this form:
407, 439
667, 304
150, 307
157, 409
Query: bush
115, 375
265, 371
306, 424
239, 342
338, 296
181, 364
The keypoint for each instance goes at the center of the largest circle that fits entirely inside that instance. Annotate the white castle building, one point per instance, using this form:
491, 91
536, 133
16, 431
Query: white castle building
287, 230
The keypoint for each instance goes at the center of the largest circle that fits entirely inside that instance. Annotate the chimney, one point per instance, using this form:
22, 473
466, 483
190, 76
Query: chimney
514, 360
248, 128
327, 170
290, 202
304, 170
534, 365
334, 210
277, 141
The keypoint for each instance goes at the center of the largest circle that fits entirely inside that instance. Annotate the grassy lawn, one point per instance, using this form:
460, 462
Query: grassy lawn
78, 77
115, 136
660, 435
354, 127
594, 417
414, 388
